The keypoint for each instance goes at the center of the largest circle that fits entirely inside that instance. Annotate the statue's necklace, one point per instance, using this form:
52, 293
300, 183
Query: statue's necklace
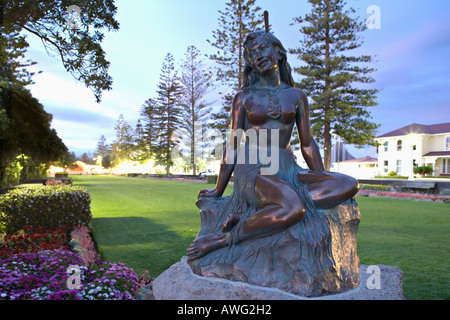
274, 108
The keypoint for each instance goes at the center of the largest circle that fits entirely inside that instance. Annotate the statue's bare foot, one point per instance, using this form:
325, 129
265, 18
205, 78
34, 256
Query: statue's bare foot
205, 244
231, 221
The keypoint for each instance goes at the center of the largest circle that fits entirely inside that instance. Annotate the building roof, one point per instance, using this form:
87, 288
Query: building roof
419, 129
437, 154
359, 160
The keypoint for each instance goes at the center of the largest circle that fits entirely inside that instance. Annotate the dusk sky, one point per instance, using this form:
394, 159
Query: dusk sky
412, 48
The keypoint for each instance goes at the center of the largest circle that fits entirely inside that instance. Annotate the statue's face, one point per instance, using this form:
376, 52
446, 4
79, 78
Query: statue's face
263, 56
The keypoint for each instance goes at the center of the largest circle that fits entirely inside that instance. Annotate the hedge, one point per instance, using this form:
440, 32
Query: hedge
377, 187
423, 170
46, 206
212, 179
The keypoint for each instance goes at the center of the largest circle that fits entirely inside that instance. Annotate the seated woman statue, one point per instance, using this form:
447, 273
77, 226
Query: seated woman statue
265, 203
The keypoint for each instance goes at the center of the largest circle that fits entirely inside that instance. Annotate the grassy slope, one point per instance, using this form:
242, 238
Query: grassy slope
148, 224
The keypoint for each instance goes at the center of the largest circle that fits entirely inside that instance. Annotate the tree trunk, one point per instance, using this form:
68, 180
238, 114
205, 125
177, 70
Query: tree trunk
327, 127
2, 177
241, 42
193, 149
327, 146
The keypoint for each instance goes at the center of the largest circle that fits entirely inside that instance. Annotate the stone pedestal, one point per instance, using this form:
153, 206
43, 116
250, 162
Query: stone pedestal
180, 283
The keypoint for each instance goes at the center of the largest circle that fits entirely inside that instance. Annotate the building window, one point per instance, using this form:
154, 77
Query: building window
445, 165
399, 145
399, 166
386, 146
386, 166
447, 143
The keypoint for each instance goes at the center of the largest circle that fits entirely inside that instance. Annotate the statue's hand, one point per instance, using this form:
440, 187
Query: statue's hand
212, 193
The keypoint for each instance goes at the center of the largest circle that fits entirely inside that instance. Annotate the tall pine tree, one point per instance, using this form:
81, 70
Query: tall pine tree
197, 81
148, 142
239, 18
123, 145
335, 80
103, 149
169, 111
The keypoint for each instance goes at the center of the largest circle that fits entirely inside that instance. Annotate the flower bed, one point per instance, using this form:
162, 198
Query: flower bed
57, 182
404, 195
30, 271
33, 239
44, 275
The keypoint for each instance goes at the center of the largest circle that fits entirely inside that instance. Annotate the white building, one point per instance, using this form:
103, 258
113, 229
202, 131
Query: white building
415, 145
361, 168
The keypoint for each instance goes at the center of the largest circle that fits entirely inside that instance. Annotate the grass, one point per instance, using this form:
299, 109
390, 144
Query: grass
149, 223
144, 223
412, 235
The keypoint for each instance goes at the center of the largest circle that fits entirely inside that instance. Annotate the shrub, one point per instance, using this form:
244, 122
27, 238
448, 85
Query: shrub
376, 187
61, 175
81, 242
55, 182
423, 170
212, 179
49, 207
392, 174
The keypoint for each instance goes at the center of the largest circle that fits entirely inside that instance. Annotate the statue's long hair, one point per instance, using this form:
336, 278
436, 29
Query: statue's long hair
250, 77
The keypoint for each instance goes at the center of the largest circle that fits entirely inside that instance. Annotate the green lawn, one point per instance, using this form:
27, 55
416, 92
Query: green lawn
145, 223
413, 235
149, 223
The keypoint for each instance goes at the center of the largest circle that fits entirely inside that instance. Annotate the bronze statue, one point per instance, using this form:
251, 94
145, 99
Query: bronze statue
262, 206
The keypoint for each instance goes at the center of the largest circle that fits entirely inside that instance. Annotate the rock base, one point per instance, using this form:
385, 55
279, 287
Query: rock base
378, 282
315, 256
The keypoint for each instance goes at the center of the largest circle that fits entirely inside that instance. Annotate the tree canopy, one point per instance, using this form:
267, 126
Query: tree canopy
335, 81
78, 48
239, 18
27, 131
25, 127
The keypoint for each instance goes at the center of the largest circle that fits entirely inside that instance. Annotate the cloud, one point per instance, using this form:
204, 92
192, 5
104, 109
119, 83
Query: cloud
77, 118
60, 91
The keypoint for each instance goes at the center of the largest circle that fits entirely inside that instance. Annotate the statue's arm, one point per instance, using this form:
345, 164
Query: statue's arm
230, 152
309, 148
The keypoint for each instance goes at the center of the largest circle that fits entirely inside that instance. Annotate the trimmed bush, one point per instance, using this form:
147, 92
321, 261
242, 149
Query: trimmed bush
212, 179
423, 170
61, 175
48, 207
376, 187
